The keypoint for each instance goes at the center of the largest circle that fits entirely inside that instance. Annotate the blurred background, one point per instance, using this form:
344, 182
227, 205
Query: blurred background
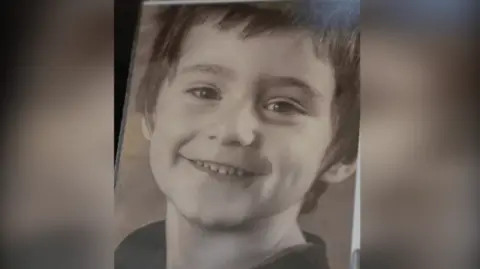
418, 149
57, 208
418, 142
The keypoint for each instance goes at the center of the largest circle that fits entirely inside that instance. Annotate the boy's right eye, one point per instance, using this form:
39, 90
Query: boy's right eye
205, 93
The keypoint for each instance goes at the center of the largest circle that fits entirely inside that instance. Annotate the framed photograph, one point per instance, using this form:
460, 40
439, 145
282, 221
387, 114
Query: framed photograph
239, 144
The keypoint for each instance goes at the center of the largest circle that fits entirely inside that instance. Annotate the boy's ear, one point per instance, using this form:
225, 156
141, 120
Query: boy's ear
147, 129
339, 172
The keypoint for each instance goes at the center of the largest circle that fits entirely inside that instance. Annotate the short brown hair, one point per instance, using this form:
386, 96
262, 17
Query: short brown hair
342, 45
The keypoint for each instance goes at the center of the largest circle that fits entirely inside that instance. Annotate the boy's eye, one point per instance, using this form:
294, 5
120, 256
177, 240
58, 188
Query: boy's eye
285, 106
205, 93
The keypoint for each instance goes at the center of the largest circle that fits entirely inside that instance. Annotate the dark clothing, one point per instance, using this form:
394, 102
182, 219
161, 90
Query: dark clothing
146, 249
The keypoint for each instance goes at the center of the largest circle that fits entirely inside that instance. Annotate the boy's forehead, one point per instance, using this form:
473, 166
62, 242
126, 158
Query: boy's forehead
208, 40
212, 31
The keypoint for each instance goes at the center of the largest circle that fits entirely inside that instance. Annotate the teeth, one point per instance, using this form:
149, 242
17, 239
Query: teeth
213, 167
224, 170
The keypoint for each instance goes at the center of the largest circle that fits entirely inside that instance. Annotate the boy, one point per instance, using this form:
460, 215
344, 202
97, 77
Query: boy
249, 114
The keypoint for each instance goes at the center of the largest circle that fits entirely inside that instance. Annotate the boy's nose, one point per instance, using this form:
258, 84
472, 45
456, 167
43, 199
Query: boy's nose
240, 128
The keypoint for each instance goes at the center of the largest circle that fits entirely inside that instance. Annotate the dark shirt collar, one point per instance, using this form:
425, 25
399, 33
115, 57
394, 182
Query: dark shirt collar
145, 248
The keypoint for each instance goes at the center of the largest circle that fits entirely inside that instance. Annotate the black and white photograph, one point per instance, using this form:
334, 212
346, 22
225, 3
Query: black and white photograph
240, 137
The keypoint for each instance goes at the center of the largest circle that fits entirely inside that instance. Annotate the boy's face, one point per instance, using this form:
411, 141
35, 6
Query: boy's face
242, 125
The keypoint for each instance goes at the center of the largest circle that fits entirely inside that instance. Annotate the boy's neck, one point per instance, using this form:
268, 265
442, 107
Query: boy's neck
190, 246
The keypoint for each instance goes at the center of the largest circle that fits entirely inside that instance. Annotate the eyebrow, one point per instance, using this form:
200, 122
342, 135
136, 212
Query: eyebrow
281, 81
213, 69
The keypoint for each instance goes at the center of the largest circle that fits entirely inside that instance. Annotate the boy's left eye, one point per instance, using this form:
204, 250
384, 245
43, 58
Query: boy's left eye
285, 106
205, 93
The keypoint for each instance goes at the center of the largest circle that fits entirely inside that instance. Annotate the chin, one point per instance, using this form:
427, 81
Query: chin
221, 223
220, 219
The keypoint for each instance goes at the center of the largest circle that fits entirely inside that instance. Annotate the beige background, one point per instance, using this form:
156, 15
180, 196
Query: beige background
138, 201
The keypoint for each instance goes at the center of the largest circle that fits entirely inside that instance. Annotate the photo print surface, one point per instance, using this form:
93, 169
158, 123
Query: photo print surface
240, 138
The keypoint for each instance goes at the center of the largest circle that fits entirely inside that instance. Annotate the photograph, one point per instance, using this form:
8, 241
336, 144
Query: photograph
239, 144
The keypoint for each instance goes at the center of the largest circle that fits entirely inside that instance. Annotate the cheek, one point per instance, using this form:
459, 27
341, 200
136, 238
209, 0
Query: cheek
174, 117
309, 141
176, 123
171, 127
297, 152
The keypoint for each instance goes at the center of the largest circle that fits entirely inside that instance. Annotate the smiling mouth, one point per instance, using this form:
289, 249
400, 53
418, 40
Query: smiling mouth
221, 169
